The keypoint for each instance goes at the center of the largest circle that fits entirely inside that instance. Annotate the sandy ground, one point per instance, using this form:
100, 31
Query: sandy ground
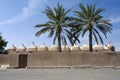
60, 74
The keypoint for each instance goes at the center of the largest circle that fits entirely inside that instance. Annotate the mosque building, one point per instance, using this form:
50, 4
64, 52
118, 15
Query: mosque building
74, 56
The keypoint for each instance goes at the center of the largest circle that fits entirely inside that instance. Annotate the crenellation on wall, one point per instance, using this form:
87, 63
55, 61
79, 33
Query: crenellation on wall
22, 48
74, 48
42, 48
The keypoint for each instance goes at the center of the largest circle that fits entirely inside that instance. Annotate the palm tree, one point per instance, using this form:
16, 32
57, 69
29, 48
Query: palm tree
88, 20
57, 25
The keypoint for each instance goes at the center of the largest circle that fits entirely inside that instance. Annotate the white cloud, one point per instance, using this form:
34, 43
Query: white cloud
115, 19
25, 13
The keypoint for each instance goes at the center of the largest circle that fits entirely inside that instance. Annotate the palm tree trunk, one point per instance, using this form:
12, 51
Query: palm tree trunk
90, 40
59, 41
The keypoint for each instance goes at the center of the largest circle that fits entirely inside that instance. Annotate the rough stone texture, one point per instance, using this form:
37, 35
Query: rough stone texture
11, 50
75, 48
53, 48
13, 60
63, 59
31, 49
42, 49
49, 59
20, 50
65, 48
4, 59
56, 59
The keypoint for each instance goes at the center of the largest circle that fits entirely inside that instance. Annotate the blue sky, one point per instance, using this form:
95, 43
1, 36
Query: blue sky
18, 18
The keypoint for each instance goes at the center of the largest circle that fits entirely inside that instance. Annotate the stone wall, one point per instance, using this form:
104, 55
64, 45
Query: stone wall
64, 59
73, 59
4, 59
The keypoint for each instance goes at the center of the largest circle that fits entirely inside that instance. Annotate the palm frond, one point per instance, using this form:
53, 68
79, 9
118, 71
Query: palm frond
99, 36
41, 25
42, 31
95, 37
54, 39
98, 11
51, 32
49, 13
83, 9
89, 18
58, 21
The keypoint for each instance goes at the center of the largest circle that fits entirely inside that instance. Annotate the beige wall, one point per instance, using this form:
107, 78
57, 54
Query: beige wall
4, 59
49, 59
13, 60
56, 59
73, 59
